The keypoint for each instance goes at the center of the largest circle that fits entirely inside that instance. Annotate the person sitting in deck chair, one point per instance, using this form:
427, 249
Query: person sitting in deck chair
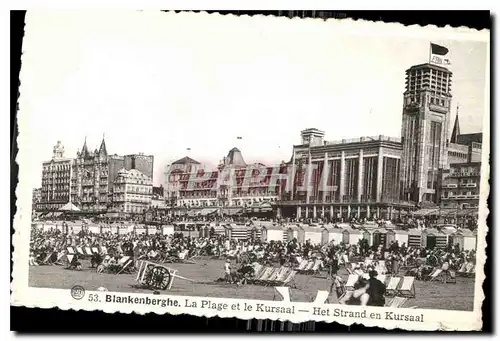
95, 260
75, 263
359, 296
376, 290
338, 284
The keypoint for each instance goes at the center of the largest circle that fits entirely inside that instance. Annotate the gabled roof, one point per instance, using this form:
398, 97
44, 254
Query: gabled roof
185, 161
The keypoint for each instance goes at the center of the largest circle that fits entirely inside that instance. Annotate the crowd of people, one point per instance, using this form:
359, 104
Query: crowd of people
170, 248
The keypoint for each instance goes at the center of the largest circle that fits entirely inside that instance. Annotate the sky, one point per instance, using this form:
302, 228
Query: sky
161, 83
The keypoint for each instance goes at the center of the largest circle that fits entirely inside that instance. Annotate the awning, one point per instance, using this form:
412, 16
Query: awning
208, 211
69, 207
231, 211
426, 211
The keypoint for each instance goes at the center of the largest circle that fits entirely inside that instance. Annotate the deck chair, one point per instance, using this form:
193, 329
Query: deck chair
322, 297
382, 278
70, 250
88, 251
284, 292
46, 260
266, 280
351, 280
435, 274
124, 262
95, 250
316, 267
407, 288
392, 287
257, 270
104, 250
302, 265
280, 279
308, 268
264, 275
396, 302
290, 279
273, 276
79, 249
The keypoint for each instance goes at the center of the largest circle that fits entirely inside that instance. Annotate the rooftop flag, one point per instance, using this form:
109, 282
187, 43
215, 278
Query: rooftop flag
438, 55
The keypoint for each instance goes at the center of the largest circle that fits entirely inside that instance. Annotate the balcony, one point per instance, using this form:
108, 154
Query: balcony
450, 185
469, 185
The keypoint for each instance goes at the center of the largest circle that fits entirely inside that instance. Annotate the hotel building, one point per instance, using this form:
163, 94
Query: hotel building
386, 176
56, 179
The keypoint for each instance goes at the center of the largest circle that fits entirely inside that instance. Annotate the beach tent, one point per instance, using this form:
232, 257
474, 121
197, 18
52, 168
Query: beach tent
414, 238
236, 231
351, 236
295, 231
313, 234
167, 230
329, 233
401, 236
432, 238
464, 238
276, 233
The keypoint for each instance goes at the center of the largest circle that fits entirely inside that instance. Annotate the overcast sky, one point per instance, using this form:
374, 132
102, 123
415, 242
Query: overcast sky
160, 83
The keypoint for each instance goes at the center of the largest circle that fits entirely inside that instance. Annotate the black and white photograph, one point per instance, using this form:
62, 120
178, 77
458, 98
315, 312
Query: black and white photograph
189, 158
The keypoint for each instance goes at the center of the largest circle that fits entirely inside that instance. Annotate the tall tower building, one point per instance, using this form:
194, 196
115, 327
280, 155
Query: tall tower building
424, 131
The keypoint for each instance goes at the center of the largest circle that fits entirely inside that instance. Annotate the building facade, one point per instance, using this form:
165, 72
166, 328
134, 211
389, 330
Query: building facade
340, 179
56, 179
386, 176
93, 174
132, 192
234, 183
460, 188
36, 199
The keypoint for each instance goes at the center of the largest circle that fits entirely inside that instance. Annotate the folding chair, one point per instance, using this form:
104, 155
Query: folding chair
273, 276
264, 275
396, 302
290, 279
435, 274
280, 279
407, 288
302, 265
351, 280
382, 278
316, 266
392, 287
308, 268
